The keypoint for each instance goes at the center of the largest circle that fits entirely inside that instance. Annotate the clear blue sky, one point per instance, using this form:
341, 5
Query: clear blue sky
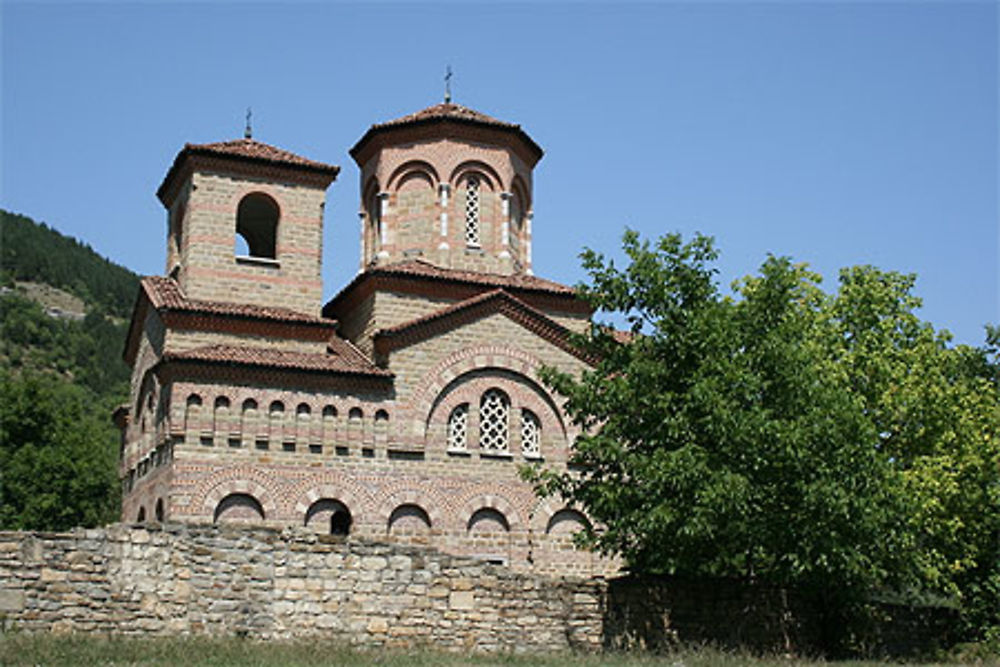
836, 133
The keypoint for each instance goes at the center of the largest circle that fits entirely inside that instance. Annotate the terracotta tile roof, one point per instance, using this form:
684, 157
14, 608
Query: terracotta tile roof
258, 150
424, 269
165, 293
332, 362
447, 110
421, 277
495, 301
245, 156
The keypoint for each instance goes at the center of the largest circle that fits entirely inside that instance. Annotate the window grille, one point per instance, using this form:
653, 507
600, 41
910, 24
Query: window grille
493, 411
458, 427
531, 434
472, 211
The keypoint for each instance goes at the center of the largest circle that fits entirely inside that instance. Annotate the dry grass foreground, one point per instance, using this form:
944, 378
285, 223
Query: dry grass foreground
25, 649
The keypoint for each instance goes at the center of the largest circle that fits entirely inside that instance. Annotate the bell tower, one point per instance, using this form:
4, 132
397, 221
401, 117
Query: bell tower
245, 224
450, 186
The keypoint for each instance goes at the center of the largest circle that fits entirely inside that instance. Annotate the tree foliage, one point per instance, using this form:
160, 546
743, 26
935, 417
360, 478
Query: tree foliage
57, 456
59, 381
782, 433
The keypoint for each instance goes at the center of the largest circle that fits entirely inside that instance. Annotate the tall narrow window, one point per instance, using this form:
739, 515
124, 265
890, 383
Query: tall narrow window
493, 421
458, 426
472, 211
257, 226
531, 435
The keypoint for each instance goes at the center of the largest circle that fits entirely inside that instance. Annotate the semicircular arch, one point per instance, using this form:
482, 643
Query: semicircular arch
410, 168
478, 167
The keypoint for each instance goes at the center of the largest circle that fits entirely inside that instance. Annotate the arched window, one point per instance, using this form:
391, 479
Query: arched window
220, 418
494, 409
276, 418
329, 424
141, 517
257, 225
472, 211
192, 417
381, 427
458, 428
248, 422
159, 509
515, 220
531, 435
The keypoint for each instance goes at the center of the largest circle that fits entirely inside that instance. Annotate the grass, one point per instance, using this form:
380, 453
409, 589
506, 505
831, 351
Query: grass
27, 649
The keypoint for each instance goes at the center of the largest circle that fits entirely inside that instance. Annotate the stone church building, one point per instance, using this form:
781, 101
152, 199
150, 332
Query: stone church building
400, 410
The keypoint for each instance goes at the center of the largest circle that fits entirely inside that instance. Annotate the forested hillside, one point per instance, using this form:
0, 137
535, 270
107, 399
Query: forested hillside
60, 377
33, 251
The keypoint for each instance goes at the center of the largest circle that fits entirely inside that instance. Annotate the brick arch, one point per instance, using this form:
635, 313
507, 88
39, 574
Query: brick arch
241, 479
400, 173
410, 495
519, 187
462, 361
332, 486
478, 166
489, 499
472, 386
241, 190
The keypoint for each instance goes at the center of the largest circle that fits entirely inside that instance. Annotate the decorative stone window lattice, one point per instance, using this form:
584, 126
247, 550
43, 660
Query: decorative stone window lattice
493, 420
458, 428
472, 211
531, 434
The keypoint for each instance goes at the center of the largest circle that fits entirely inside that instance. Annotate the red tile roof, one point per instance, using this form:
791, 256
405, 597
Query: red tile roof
258, 150
445, 112
165, 293
246, 156
424, 269
418, 276
355, 364
482, 305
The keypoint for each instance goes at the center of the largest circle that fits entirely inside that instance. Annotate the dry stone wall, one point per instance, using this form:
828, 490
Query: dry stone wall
258, 582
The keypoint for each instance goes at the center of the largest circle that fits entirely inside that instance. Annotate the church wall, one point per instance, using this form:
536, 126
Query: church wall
358, 326
182, 340
213, 271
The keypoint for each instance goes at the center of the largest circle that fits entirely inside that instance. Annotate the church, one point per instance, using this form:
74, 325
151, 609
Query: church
404, 407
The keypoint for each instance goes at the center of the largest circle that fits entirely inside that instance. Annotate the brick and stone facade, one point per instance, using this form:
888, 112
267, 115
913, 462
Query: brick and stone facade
401, 410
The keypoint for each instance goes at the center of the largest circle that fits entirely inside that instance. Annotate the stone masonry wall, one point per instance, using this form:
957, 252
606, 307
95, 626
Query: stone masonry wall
174, 579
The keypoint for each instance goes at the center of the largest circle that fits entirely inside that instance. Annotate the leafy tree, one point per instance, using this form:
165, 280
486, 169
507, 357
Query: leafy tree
835, 442
57, 456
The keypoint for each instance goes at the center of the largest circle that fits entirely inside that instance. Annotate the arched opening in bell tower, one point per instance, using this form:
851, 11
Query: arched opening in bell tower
257, 226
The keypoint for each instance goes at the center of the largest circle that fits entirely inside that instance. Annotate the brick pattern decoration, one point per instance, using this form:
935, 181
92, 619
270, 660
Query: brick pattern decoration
248, 406
438, 185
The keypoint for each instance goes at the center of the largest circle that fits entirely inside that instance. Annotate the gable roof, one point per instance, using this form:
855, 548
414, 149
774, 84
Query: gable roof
164, 295
421, 277
244, 156
457, 115
497, 301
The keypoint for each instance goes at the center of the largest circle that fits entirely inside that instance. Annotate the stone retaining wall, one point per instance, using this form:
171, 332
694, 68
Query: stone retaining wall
174, 579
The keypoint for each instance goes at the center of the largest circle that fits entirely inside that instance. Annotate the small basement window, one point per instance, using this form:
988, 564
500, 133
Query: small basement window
257, 226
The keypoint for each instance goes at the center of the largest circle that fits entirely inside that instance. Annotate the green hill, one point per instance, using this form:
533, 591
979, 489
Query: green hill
32, 251
64, 313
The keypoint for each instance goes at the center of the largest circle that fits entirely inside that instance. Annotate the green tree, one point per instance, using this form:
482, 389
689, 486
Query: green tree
834, 442
57, 455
